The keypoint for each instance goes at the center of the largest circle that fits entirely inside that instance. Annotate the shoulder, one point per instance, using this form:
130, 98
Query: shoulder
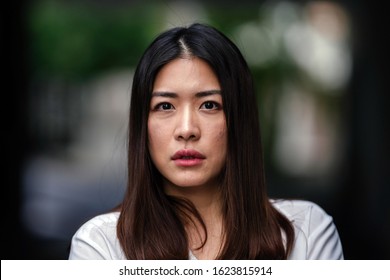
300, 211
105, 222
97, 239
316, 236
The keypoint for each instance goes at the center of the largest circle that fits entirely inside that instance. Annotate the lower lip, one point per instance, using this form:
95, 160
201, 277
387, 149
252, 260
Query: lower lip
188, 162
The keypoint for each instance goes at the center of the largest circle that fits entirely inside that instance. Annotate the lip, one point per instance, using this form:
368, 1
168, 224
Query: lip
188, 158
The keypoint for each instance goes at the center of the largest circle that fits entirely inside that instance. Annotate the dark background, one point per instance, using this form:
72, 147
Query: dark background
359, 201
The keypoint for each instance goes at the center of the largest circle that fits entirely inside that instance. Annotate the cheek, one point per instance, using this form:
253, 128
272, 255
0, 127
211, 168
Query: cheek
221, 135
219, 146
155, 128
159, 135
154, 135
218, 136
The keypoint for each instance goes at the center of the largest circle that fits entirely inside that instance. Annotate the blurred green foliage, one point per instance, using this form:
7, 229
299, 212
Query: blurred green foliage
74, 40
70, 40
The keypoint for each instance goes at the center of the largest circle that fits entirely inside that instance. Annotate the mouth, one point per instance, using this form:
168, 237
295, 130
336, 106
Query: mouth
188, 158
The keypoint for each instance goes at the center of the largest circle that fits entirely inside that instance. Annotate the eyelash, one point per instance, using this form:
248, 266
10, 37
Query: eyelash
158, 107
216, 106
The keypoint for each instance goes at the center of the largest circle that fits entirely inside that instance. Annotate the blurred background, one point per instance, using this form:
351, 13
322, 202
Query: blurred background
322, 92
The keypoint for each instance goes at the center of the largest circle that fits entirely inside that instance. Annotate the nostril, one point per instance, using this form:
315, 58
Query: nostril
187, 137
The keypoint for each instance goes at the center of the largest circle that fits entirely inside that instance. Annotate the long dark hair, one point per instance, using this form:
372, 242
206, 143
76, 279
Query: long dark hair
151, 223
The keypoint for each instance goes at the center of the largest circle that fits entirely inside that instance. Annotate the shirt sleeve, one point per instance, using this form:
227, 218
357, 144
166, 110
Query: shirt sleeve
323, 239
88, 246
96, 240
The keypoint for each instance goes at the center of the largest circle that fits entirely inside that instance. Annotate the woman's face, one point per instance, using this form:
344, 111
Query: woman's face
186, 125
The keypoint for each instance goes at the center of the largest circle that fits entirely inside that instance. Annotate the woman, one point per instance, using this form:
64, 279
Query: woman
196, 187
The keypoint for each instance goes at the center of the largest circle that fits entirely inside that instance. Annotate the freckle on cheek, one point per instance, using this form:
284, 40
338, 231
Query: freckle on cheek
221, 134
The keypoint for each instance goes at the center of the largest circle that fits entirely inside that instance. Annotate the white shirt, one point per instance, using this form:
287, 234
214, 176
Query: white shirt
316, 236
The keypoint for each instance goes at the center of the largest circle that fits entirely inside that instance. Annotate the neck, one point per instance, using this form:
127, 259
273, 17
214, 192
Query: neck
206, 199
207, 202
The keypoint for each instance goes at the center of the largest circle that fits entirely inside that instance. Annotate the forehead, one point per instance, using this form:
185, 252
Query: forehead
186, 74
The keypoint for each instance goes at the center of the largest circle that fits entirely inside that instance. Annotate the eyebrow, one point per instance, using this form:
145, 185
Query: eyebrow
175, 95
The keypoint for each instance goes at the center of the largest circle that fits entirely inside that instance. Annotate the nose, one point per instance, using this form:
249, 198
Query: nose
187, 126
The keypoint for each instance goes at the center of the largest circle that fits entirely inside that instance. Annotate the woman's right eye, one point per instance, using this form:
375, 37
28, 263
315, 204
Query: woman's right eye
164, 106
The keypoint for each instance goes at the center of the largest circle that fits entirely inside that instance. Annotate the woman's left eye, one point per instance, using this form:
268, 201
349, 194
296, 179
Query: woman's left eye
210, 105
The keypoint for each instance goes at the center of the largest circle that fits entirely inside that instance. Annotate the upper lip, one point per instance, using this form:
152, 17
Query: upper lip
187, 153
